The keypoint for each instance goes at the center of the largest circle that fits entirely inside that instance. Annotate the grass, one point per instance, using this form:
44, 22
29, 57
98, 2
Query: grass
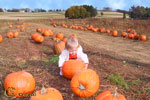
52, 60
118, 80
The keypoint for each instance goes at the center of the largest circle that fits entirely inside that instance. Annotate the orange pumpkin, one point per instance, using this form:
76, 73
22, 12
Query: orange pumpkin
102, 29
128, 30
130, 36
10, 26
47, 94
85, 83
17, 26
54, 25
109, 95
15, 34
10, 34
114, 33
1, 38
22, 29
71, 67
143, 37
58, 47
60, 36
124, 34
19, 84
39, 39
65, 40
107, 31
39, 30
46, 33
34, 35
85, 29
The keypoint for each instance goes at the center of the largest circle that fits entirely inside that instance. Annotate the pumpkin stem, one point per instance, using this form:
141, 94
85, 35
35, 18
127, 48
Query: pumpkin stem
82, 87
115, 92
43, 90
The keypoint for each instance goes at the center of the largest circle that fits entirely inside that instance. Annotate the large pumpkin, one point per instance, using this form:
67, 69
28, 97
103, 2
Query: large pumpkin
109, 95
34, 35
60, 36
47, 94
71, 67
1, 38
19, 84
10, 34
86, 83
39, 39
58, 47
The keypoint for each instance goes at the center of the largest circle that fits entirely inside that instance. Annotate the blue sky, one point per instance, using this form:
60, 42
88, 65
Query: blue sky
64, 4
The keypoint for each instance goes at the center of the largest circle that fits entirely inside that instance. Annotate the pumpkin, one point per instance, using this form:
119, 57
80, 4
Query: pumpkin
60, 36
124, 34
130, 36
17, 26
47, 94
110, 95
10, 34
58, 47
102, 29
22, 29
19, 84
85, 29
107, 31
136, 37
54, 25
1, 38
85, 83
143, 37
39, 30
15, 34
65, 40
71, 67
10, 26
46, 33
39, 39
114, 33
128, 30
34, 35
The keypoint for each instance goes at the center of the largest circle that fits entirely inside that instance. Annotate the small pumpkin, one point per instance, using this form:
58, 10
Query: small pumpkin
17, 26
10, 26
47, 94
15, 34
39, 39
17, 84
114, 33
124, 34
46, 33
110, 95
60, 36
130, 36
22, 29
1, 39
143, 37
10, 34
58, 47
136, 37
85, 83
54, 25
39, 29
102, 29
107, 31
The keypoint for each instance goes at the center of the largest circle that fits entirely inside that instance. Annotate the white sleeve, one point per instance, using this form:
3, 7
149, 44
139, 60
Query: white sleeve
62, 58
82, 56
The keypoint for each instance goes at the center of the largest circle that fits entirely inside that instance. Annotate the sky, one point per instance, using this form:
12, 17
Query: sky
64, 4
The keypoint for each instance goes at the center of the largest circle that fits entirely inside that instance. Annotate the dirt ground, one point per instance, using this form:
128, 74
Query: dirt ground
107, 55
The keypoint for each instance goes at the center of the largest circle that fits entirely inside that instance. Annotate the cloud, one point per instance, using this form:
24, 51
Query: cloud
116, 4
24, 5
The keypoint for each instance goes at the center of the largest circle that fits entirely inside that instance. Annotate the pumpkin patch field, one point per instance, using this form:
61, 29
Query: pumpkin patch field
118, 52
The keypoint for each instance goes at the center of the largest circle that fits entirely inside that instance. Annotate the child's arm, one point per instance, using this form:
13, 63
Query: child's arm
83, 57
62, 58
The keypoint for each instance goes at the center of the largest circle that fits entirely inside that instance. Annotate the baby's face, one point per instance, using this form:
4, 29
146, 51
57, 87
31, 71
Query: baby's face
72, 49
